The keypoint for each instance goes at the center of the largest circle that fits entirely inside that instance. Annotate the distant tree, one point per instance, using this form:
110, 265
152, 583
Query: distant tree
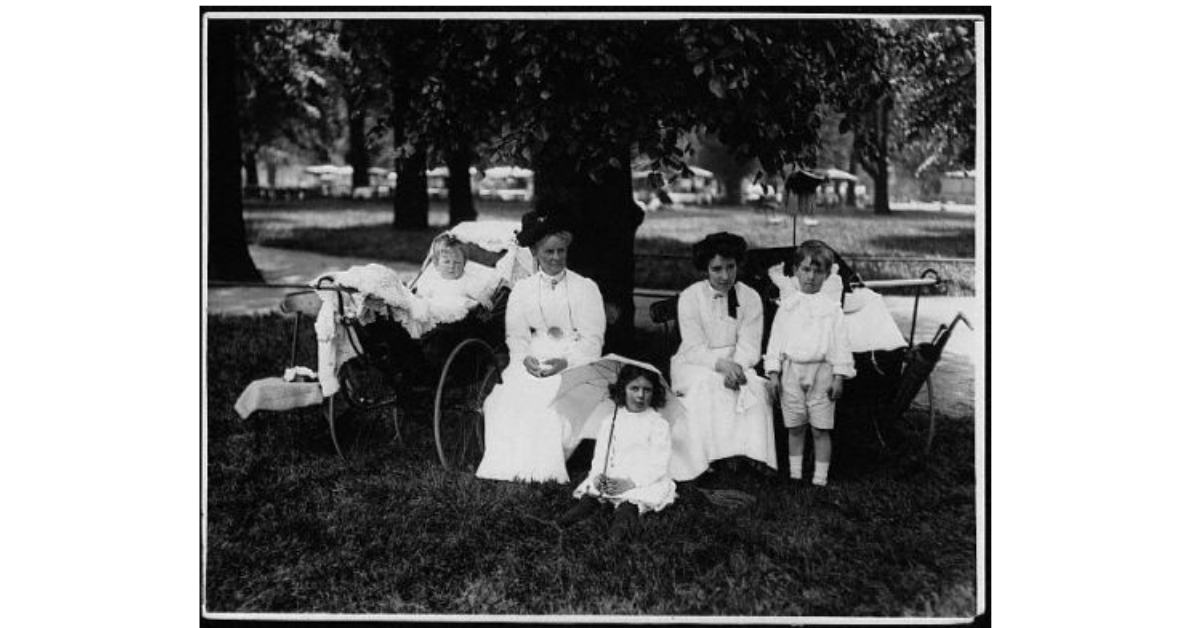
361, 71
924, 104
284, 93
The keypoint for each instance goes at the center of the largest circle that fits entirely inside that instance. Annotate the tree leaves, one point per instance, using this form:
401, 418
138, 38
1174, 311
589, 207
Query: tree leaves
717, 87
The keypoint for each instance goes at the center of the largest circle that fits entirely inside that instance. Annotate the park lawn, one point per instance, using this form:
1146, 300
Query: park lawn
293, 529
663, 241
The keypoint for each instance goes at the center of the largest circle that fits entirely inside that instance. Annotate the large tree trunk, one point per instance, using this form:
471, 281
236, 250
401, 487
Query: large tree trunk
605, 221
228, 257
410, 206
358, 158
462, 205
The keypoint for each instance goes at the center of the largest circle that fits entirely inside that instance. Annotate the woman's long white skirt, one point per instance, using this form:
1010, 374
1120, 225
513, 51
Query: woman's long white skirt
731, 423
523, 435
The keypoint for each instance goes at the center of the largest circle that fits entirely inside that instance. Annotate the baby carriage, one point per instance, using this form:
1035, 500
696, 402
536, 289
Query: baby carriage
380, 343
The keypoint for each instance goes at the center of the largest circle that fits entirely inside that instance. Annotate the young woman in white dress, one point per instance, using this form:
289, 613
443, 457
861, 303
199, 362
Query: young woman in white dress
721, 325
554, 320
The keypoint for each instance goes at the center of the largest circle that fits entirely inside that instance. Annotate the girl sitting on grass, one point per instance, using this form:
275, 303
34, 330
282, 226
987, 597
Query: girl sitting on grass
633, 448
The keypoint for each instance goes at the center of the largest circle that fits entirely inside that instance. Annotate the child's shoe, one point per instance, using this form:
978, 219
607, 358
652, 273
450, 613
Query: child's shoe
584, 510
623, 522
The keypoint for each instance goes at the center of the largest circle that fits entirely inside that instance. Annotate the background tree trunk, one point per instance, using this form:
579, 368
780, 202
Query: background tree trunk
851, 167
410, 206
462, 204
358, 158
883, 114
228, 257
605, 220
250, 163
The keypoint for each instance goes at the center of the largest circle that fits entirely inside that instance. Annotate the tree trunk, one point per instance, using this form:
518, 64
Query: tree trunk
410, 205
733, 188
250, 163
851, 167
605, 220
462, 205
228, 257
358, 158
883, 114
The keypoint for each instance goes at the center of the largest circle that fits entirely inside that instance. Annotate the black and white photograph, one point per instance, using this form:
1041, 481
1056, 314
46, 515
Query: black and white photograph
595, 314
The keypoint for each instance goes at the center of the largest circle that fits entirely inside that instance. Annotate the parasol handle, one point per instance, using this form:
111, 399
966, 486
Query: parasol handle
612, 428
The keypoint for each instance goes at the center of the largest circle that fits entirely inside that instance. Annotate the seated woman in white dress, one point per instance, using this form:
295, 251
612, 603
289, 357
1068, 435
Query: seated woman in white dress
721, 325
554, 320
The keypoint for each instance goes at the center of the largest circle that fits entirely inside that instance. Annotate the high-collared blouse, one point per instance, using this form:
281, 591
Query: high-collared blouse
568, 301
708, 332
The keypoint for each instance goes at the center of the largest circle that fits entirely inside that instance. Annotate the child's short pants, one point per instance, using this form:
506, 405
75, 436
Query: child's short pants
805, 395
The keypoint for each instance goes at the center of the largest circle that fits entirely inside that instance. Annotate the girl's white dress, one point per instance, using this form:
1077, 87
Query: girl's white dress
732, 423
525, 439
640, 452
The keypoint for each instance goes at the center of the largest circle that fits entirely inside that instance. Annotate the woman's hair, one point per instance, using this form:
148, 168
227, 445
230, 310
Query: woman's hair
446, 243
817, 251
630, 372
714, 244
537, 226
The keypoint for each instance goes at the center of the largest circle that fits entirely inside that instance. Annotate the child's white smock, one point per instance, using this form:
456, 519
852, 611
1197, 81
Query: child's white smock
732, 423
809, 328
524, 437
640, 452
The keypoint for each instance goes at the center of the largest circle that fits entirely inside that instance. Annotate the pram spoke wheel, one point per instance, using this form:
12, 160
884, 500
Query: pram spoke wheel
467, 378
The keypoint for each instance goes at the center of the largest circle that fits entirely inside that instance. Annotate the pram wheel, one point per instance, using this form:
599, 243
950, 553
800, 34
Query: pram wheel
467, 378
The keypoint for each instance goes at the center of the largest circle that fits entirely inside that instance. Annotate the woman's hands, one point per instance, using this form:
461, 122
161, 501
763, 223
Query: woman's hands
735, 376
613, 486
547, 368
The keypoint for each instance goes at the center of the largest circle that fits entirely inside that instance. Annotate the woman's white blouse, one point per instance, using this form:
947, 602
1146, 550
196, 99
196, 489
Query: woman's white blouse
570, 302
641, 447
707, 331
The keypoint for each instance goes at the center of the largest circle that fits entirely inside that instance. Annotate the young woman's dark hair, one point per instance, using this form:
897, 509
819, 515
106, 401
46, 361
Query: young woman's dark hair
714, 244
630, 372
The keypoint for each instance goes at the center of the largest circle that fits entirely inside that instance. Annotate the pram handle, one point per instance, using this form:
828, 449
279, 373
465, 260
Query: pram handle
289, 286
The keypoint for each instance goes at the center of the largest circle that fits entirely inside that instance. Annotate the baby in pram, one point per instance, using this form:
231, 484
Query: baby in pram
449, 287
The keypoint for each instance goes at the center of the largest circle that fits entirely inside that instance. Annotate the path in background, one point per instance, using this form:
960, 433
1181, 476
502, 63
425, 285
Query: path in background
286, 266
954, 378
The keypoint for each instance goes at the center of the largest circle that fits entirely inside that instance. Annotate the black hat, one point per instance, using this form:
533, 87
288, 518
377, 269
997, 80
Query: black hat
536, 225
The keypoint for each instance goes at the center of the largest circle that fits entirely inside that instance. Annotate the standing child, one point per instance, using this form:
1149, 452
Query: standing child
633, 449
808, 357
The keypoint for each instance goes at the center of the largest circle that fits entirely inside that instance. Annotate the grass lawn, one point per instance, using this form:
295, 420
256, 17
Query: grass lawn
292, 528
363, 229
